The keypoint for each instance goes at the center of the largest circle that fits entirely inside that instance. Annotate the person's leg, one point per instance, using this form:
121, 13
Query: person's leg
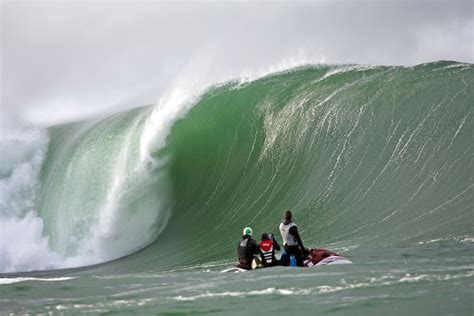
277, 262
244, 266
294, 251
285, 257
298, 256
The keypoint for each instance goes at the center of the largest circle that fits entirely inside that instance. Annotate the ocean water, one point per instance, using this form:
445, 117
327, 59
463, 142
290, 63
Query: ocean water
140, 211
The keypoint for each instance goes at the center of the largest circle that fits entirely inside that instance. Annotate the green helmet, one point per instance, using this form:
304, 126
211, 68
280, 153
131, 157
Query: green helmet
247, 231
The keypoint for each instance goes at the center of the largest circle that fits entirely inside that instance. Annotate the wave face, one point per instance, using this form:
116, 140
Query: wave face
364, 156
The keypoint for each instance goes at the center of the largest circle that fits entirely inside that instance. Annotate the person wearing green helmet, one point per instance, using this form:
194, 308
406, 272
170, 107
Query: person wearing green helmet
247, 249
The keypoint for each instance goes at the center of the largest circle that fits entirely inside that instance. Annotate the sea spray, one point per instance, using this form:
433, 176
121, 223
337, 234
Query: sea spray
22, 244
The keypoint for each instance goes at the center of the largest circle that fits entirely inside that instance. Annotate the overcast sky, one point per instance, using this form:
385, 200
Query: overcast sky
68, 60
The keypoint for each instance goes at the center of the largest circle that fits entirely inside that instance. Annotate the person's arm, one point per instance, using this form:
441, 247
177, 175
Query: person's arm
276, 245
238, 253
254, 246
294, 231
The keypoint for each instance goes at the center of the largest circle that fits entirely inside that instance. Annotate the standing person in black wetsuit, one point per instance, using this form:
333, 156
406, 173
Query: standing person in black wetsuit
267, 247
247, 249
291, 240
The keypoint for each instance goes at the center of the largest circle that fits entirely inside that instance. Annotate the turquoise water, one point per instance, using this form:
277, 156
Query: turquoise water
375, 162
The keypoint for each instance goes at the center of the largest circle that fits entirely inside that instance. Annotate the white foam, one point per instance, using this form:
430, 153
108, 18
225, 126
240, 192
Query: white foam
171, 107
23, 151
413, 278
299, 60
17, 280
267, 291
22, 245
342, 69
462, 239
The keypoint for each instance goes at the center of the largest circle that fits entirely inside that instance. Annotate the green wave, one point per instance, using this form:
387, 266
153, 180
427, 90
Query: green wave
364, 156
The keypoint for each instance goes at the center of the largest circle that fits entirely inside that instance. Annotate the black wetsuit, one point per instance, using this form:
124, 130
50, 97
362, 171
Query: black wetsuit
246, 250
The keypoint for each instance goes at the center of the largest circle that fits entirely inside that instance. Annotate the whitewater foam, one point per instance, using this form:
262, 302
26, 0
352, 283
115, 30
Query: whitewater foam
170, 107
22, 244
267, 291
17, 280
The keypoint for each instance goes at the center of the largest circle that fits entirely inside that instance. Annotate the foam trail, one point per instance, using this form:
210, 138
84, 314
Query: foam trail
17, 280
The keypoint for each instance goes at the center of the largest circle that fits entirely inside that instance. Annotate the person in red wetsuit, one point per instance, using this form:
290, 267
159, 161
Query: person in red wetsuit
267, 248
